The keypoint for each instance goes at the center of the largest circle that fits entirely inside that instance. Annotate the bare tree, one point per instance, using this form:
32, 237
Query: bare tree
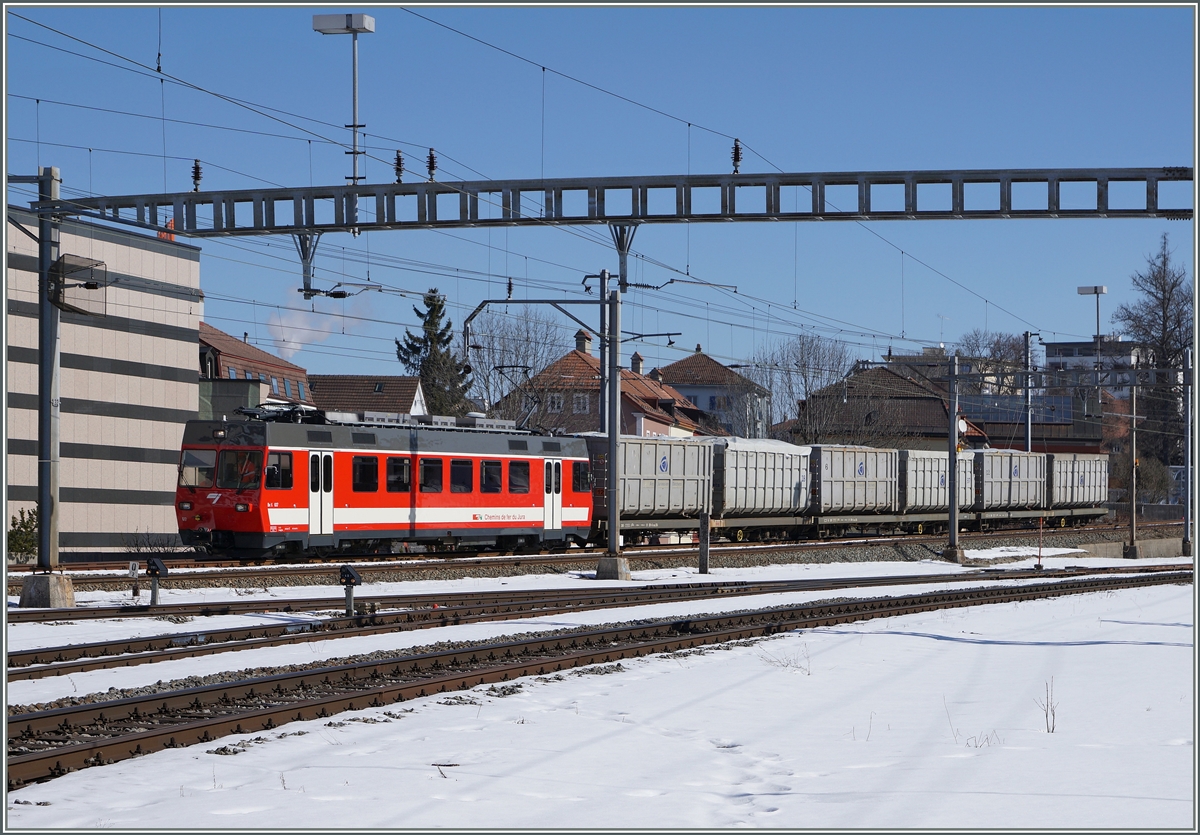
1160, 321
508, 350
794, 369
1001, 356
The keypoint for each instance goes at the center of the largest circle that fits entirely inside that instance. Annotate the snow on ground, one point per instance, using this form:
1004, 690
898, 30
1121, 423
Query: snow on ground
922, 721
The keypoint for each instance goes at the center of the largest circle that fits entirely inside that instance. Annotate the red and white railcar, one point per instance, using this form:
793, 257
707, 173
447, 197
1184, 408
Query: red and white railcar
250, 488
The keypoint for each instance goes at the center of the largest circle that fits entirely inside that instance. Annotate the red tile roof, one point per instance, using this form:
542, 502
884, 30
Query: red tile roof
364, 392
699, 369
243, 357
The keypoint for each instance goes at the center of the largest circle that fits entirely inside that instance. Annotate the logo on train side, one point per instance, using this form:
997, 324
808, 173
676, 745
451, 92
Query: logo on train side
662, 465
862, 467
942, 480
1016, 470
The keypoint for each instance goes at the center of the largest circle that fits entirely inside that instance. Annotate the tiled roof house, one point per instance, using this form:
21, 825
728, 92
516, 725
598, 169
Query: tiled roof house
368, 396
565, 397
740, 405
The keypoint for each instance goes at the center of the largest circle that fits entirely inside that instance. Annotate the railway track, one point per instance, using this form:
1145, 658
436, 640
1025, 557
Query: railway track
47, 744
432, 610
227, 573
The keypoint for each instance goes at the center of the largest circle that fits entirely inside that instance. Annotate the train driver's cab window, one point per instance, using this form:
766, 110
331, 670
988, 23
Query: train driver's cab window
364, 476
489, 477
462, 473
279, 471
197, 467
518, 477
581, 477
240, 469
431, 475
399, 475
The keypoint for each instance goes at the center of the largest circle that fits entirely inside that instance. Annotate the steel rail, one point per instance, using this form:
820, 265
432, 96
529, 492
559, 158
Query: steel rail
542, 656
303, 605
69, 659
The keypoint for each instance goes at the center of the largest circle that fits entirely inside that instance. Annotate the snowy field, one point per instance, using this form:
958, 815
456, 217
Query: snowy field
921, 721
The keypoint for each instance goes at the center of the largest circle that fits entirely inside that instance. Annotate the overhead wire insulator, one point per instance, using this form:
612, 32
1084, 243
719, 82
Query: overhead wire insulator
431, 163
510, 286
398, 166
737, 155
197, 175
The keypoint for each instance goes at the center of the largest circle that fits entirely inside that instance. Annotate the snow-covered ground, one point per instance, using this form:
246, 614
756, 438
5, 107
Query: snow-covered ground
927, 720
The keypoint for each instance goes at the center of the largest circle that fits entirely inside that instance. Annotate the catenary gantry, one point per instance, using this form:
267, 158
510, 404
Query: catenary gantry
927, 195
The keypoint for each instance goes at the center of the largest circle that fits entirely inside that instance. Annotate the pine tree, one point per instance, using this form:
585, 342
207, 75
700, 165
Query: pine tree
428, 355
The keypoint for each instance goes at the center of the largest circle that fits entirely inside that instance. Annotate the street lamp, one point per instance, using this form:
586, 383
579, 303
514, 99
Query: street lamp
348, 24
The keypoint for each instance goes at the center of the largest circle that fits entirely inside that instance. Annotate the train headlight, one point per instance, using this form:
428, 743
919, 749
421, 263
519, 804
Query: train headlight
242, 507
185, 505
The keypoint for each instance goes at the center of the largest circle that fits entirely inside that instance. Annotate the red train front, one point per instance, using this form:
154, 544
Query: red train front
251, 488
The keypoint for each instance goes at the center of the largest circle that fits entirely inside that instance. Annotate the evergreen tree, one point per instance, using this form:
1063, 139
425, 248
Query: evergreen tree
428, 355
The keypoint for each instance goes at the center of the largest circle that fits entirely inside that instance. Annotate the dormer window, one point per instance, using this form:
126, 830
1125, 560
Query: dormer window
378, 388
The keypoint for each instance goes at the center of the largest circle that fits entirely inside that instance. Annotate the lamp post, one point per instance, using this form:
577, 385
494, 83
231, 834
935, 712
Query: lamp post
348, 24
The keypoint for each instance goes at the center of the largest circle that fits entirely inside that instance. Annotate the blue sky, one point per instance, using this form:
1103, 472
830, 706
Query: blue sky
804, 88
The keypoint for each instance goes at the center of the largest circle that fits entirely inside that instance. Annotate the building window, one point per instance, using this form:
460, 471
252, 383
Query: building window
249, 376
262, 378
554, 403
378, 388
287, 387
581, 404
232, 373
274, 386
300, 389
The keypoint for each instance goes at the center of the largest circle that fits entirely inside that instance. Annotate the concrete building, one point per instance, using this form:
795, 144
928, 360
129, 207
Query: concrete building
127, 384
1073, 364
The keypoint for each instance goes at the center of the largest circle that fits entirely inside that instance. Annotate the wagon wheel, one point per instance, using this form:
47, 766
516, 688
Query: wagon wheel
739, 535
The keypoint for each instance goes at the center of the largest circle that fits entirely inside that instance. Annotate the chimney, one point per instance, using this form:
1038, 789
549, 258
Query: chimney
583, 341
697, 347
635, 363
246, 337
656, 375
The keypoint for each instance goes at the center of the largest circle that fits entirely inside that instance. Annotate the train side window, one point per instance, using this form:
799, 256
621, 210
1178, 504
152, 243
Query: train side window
279, 471
197, 467
489, 477
431, 475
557, 477
365, 474
314, 473
581, 477
518, 477
462, 474
239, 469
399, 475
549, 479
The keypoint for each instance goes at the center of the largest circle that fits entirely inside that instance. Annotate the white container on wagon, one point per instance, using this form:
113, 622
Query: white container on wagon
665, 476
1078, 480
759, 477
925, 482
853, 479
1007, 479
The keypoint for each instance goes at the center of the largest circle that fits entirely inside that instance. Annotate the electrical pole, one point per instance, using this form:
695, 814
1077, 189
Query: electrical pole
1131, 550
613, 566
1188, 389
1028, 392
953, 551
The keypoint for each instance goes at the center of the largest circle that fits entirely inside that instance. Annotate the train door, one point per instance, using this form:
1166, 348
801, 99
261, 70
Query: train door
553, 495
320, 493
